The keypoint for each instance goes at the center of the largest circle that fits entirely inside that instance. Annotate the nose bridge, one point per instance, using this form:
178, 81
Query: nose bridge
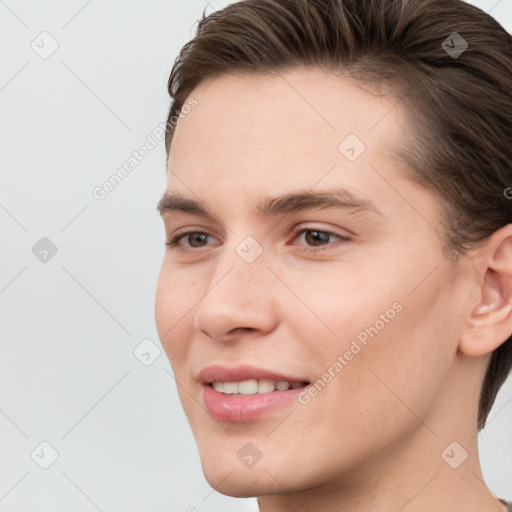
239, 292
241, 267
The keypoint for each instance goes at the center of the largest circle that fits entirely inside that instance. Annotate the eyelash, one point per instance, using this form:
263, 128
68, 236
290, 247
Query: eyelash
173, 241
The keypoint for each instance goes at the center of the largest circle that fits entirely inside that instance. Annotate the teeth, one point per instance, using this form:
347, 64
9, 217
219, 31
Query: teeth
247, 387
266, 386
218, 386
282, 385
230, 388
253, 386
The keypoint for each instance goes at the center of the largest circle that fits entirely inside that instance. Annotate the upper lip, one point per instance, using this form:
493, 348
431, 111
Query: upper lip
219, 373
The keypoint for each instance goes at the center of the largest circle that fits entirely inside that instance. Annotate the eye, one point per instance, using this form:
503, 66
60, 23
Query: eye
310, 239
191, 239
317, 238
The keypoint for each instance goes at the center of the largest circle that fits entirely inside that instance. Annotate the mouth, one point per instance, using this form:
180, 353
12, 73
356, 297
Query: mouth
254, 386
246, 393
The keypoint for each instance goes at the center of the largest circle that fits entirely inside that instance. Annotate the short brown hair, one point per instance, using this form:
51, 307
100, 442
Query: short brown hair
459, 105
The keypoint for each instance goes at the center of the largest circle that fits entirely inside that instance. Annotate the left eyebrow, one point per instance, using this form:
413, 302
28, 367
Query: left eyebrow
341, 198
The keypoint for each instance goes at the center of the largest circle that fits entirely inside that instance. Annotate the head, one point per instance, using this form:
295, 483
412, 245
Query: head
338, 203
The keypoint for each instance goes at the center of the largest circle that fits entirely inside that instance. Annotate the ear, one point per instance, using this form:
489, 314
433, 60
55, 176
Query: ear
490, 322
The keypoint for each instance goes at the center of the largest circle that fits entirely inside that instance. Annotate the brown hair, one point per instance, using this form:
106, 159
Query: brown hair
459, 106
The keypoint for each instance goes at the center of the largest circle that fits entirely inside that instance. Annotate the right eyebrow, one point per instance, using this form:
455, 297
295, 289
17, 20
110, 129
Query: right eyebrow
175, 202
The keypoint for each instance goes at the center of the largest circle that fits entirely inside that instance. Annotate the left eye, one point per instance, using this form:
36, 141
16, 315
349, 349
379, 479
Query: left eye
317, 237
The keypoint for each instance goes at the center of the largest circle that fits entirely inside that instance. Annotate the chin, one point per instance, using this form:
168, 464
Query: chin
274, 474
242, 482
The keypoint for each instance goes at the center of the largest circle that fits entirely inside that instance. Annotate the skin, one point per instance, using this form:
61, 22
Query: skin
372, 439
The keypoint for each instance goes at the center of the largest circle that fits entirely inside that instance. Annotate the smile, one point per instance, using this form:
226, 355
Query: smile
253, 386
246, 393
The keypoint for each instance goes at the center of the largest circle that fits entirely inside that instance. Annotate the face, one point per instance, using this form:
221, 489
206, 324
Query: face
302, 254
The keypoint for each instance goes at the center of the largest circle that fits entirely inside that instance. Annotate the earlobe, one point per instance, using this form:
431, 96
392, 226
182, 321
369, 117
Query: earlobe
490, 322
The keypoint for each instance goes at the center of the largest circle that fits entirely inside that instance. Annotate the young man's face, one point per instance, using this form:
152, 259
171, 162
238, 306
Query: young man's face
356, 300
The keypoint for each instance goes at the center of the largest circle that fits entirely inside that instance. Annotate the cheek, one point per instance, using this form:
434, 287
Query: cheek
339, 303
405, 364
175, 298
392, 330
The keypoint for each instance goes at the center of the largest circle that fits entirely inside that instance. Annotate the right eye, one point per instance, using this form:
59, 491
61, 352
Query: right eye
191, 239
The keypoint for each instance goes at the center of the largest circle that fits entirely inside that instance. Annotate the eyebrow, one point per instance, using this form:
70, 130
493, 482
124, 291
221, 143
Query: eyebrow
340, 198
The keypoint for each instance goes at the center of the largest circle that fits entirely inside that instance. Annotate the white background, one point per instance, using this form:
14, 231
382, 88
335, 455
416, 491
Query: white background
70, 325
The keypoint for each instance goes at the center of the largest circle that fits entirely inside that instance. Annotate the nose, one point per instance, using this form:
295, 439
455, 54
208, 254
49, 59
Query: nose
239, 299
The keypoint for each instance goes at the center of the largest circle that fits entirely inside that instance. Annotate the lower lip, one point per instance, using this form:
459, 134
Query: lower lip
242, 408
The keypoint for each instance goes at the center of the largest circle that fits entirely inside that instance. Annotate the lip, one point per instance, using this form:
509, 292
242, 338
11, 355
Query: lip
219, 373
243, 408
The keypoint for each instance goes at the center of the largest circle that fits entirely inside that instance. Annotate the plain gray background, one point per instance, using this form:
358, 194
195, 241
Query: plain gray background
72, 319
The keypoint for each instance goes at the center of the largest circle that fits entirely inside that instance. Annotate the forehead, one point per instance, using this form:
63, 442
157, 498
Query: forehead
282, 129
